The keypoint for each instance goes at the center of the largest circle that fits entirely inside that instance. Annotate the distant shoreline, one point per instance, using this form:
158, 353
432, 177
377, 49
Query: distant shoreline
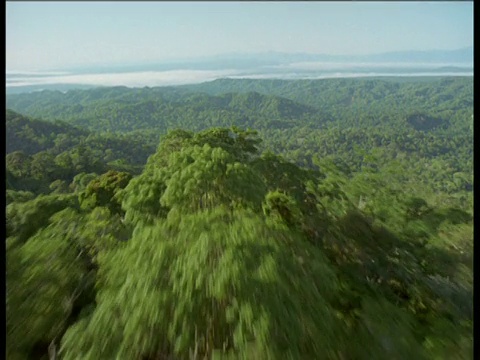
161, 79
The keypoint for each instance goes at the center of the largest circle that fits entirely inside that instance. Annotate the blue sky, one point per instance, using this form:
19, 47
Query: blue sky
58, 35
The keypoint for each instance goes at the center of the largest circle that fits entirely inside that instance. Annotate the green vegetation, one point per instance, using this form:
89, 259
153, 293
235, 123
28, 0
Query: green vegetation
155, 224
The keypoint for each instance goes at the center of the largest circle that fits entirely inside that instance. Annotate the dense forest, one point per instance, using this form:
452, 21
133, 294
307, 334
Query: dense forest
242, 219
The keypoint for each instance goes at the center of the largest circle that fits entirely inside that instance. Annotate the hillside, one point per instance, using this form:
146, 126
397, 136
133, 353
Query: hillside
371, 99
123, 110
41, 152
212, 227
393, 94
427, 123
32, 136
154, 224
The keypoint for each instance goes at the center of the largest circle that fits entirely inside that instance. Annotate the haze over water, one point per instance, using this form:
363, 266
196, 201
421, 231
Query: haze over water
55, 45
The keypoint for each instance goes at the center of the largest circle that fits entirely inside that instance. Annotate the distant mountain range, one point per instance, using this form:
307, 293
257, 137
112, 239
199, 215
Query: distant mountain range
268, 65
240, 61
463, 56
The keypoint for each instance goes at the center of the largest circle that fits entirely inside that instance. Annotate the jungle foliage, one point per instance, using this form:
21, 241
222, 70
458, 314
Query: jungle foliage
157, 224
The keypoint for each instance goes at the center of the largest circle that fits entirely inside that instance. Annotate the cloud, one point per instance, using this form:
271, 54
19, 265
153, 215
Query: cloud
133, 79
181, 77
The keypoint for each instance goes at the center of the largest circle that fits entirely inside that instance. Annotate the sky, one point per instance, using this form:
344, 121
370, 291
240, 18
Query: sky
56, 35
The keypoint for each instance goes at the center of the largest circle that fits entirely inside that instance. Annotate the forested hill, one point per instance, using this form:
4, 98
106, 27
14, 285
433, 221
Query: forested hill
43, 155
120, 110
219, 250
153, 224
32, 136
427, 124
371, 102
408, 93
258, 103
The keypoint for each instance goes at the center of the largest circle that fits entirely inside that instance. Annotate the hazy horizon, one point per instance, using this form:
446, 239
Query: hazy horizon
140, 44
245, 55
152, 76
54, 36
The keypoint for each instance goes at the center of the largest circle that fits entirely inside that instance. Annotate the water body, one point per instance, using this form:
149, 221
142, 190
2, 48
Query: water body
208, 70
